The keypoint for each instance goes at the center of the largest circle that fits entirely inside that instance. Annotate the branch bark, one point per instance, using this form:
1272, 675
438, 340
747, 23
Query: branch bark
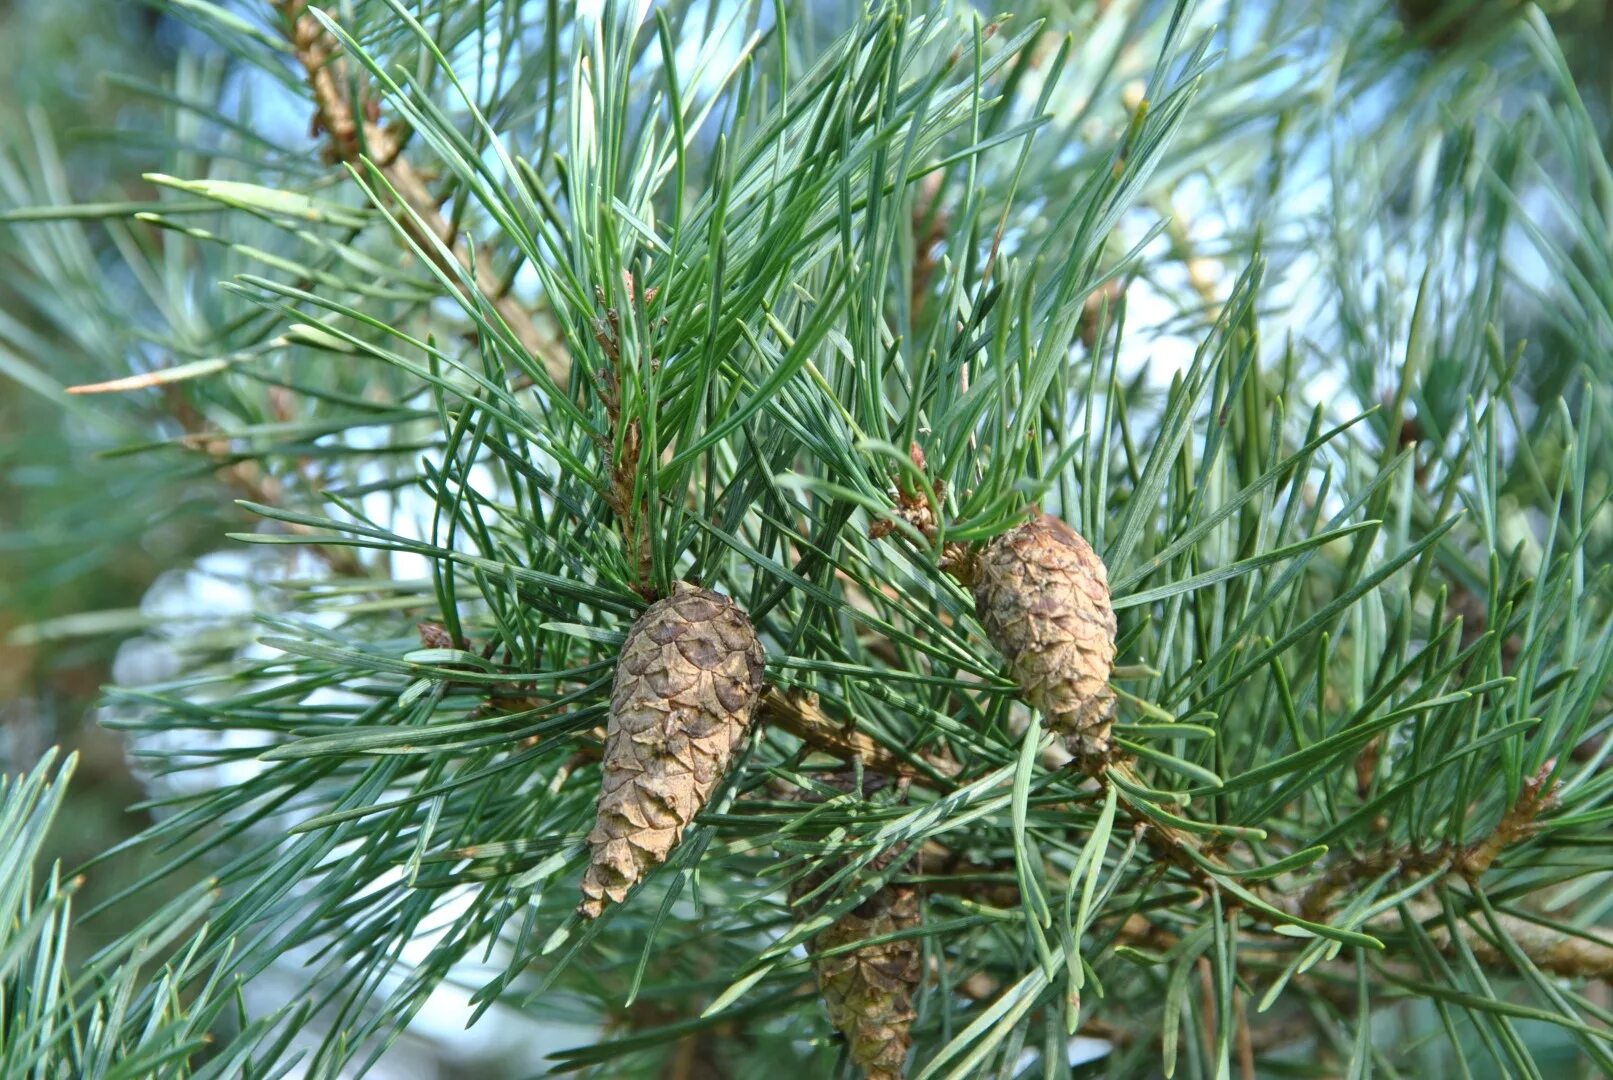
355, 132
802, 717
249, 479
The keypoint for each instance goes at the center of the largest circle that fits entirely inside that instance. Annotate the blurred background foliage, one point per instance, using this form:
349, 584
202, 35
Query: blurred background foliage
63, 551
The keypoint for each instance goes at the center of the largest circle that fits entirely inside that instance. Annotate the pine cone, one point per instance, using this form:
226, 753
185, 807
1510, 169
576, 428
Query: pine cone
1042, 594
687, 682
868, 992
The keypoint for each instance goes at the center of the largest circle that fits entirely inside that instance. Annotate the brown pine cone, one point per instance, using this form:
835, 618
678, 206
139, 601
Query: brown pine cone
687, 683
1042, 594
868, 992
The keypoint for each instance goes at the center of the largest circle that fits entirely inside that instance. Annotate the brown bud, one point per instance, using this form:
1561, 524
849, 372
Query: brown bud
687, 682
434, 635
868, 992
1042, 594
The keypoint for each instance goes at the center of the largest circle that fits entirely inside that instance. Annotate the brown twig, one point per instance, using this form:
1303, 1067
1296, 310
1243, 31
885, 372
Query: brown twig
915, 507
931, 222
1553, 952
1469, 861
1244, 1038
632, 511
1313, 903
802, 717
249, 479
352, 134
1516, 824
357, 133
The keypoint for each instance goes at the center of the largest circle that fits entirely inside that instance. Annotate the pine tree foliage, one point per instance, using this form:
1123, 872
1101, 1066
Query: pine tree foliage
117, 1013
549, 309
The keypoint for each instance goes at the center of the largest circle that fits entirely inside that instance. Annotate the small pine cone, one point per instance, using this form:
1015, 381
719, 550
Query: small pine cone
1042, 594
687, 682
868, 992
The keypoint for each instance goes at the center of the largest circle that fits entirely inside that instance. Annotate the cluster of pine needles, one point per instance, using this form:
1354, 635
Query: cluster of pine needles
787, 554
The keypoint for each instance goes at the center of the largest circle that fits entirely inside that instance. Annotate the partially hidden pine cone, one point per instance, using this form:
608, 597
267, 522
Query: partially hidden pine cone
1042, 594
687, 683
868, 992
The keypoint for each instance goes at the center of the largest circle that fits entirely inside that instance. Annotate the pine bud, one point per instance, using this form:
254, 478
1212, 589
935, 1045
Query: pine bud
687, 682
868, 992
1042, 594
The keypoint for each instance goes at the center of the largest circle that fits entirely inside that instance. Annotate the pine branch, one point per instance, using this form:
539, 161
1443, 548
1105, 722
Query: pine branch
249, 479
1300, 730
621, 489
1469, 861
355, 133
1558, 952
802, 717
1566, 955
